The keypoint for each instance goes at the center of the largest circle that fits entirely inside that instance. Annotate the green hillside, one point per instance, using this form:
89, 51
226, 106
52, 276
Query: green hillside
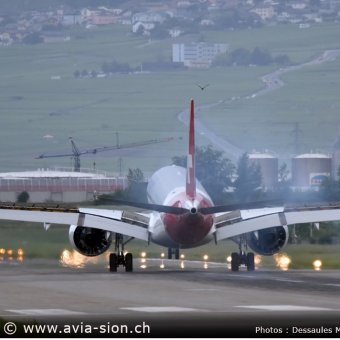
40, 96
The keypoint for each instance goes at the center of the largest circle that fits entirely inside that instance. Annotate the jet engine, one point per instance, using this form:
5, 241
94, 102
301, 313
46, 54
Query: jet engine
268, 241
90, 241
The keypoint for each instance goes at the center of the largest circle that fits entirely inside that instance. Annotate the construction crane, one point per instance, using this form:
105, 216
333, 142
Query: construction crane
76, 152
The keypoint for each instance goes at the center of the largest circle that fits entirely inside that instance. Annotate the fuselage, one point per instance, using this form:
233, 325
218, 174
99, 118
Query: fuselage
167, 187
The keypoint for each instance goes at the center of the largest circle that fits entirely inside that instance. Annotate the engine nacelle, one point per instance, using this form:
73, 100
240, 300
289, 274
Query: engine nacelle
90, 241
268, 241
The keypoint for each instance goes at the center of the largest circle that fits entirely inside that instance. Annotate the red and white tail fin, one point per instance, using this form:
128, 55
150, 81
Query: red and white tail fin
191, 179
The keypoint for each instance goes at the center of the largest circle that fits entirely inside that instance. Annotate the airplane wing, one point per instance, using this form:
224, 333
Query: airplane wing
244, 221
117, 221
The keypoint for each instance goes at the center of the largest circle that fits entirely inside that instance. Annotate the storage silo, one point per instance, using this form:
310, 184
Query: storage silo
336, 158
269, 168
309, 170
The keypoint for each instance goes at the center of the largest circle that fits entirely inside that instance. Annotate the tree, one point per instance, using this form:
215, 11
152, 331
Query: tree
106, 67
135, 176
159, 32
136, 190
221, 60
116, 67
33, 38
240, 57
282, 60
213, 170
261, 57
93, 74
84, 73
23, 197
330, 190
283, 185
226, 19
76, 74
244, 57
248, 182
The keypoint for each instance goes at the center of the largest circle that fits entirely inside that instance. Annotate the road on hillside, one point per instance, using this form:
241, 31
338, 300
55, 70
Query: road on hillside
272, 82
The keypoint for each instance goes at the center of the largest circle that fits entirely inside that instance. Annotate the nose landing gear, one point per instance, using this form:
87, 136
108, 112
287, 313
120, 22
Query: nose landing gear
173, 251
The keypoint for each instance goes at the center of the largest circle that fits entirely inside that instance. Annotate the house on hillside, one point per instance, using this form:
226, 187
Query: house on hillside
6, 39
298, 5
264, 12
175, 32
146, 21
101, 16
125, 18
100, 19
146, 27
148, 17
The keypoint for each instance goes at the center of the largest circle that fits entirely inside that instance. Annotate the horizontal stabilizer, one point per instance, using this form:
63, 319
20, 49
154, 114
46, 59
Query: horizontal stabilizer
146, 206
238, 206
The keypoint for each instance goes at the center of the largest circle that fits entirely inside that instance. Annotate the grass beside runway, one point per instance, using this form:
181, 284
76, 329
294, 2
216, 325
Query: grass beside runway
38, 243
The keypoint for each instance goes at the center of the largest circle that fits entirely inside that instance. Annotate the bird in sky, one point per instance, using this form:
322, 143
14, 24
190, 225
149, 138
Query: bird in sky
203, 87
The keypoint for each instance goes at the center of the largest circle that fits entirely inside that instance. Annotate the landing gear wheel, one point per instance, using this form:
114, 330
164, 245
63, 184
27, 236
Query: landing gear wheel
128, 262
173, 251
235, 262
169, 253
177, 253
250, 262
118, 258
113, 262
242, 257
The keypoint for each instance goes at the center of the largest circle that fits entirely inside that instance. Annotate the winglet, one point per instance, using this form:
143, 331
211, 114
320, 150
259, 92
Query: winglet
191, 179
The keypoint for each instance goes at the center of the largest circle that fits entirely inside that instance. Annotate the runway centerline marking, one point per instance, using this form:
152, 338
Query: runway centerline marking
284, 308
241, 276
165, 309
47, 311
203, 290
288, 280
331, 284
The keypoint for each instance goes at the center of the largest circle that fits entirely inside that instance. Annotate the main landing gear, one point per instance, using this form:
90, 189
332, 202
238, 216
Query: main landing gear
242, 258
118, 258
173, 252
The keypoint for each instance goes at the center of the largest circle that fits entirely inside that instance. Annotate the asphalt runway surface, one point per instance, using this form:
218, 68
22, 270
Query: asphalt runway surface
169, 302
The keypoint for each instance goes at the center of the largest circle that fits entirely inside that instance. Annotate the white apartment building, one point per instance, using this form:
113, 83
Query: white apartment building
197, 54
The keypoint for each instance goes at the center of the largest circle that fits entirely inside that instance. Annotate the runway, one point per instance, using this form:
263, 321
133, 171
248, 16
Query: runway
172, 301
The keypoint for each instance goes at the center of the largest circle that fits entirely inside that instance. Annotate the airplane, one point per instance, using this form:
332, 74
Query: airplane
181, 215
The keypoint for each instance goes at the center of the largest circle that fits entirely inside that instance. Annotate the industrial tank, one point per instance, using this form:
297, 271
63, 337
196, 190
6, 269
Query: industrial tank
309, 170
269, 168
336, 158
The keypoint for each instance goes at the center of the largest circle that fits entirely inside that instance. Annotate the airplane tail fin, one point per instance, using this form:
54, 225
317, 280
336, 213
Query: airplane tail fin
191, 178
